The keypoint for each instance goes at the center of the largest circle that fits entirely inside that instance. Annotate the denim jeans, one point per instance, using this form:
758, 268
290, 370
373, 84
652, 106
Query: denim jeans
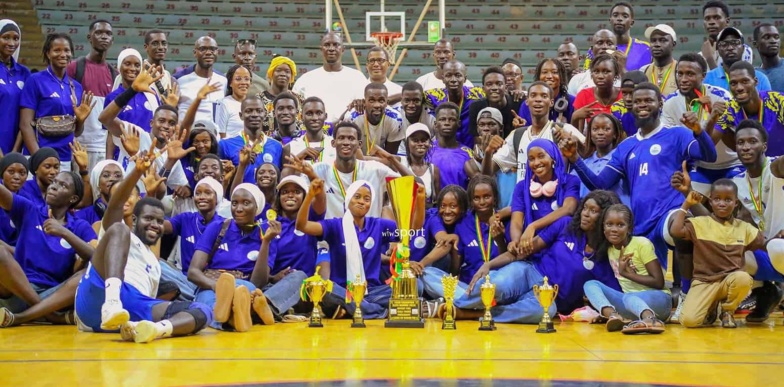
172, 274
281, 295
514, 296
374, 305
628, 305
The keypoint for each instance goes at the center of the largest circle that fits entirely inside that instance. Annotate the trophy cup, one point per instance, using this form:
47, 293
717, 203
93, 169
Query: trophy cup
487, 292
357, 292
404, 305
545, 294
313, 289
450, 284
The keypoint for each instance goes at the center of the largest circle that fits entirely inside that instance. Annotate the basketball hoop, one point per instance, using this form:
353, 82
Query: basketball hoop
388, 41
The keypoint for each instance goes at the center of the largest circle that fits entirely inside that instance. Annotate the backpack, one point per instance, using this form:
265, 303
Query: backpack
80, 65
518, 136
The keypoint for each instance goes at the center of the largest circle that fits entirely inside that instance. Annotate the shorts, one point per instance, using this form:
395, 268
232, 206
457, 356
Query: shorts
91, 294
661, 238
765, 270
17, 305
701, 178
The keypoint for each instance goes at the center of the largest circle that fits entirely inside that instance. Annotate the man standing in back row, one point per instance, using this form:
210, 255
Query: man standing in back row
193, 78
443, 51
245, 55
637, 52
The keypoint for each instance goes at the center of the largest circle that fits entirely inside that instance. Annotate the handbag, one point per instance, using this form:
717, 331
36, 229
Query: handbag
57, 126
214, 274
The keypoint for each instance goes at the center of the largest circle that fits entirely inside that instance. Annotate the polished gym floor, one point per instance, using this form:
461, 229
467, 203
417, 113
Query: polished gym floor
292, 354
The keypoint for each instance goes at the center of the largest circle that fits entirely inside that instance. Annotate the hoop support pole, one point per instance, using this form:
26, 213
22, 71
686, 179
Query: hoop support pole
410, 39
348, 35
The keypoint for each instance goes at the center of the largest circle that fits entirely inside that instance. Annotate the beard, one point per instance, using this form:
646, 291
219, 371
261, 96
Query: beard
647, 121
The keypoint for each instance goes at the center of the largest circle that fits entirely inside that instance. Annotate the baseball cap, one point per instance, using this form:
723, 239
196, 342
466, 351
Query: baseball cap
495, 114
660, 27
636, 77
206, 124
296, 179
417, 127
728, 31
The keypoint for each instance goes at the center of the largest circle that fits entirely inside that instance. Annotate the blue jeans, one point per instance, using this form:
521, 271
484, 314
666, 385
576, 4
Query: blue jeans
514, 296
172, 274
374, 305
628, 305
281, 296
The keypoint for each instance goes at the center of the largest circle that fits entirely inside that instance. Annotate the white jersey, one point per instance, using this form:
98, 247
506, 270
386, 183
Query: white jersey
675, 107
142, 270
176, 177
227, 117
772, 199
372, 171
507, 157
336, 88
429, 81
390, 129
190, 84
328, 155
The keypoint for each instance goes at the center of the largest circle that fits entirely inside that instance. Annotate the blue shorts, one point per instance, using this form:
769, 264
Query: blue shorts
661, 238
91, 295
765, 270
701, 178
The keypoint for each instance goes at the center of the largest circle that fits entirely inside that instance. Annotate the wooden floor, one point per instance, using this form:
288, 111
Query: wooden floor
514, 355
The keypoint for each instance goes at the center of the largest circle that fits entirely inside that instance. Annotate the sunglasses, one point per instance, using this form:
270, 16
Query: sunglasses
242, 42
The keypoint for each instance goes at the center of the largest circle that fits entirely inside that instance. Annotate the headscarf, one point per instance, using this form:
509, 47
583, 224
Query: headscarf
40, 155
152, 97
282, 60
10, 159
354, 261
255, 192
95, 176
215, 186
559, 174
9, 25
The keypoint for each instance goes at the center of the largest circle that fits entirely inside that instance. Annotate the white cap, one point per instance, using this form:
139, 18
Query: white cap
296, 179
417, 127
662, 28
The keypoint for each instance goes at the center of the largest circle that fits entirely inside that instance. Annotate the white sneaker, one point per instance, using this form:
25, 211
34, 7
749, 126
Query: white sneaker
675, 317
127, 331
113, 315
145, 332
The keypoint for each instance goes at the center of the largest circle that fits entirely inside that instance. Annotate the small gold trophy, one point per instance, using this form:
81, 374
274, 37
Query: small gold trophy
404, 305
357, 291
450, 284
313, 289
545, 294
487, 292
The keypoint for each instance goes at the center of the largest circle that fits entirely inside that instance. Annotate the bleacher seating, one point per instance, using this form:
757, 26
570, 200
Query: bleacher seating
485, 32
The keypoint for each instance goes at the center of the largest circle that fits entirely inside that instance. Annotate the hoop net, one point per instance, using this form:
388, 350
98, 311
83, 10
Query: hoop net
388, 41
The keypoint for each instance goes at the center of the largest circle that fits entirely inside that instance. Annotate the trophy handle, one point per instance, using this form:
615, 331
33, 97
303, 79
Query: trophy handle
555, 291
536, 291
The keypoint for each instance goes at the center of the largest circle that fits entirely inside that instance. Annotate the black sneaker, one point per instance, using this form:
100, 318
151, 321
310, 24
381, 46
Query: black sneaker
768, 296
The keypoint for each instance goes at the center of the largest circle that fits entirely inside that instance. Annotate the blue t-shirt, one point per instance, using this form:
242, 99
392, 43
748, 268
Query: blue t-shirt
506, 186
88, 214
626, 117
775, 76
235, 252
272, 152
47, 260
8, 231
525, 111
718, 77
435, 97
772, 120
49, 96
596, 164
638, 55
190, 227
138, 111
543, 205
451, 164
372, 238
562, 263
468, 246
12, 81
293, 248
32, 192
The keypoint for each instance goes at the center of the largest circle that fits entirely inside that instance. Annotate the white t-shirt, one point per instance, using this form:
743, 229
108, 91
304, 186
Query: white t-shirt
427, 177
673, 111
328, 155
392, 87
429, 81
142, 269
372, 171
94, 137
177, 175
190, 85
772, 199
390, 129
227, 117
583, 80
336, 88
507, 157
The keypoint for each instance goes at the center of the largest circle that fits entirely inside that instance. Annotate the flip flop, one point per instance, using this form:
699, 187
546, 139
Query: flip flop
614, 324
640, 326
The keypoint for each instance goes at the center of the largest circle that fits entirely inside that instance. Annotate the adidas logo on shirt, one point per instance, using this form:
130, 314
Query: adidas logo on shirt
190, 239
224, 247
473, 243
330, 190
2, 82
631, 156
54, 95
570, 245
40, 228
534, 207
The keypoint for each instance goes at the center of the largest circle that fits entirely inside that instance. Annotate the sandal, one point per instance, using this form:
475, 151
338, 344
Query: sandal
294, 318
599, 320
6, 318
640, 326
614, 324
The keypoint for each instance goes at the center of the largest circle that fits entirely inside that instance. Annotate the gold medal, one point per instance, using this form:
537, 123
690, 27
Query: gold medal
271, 215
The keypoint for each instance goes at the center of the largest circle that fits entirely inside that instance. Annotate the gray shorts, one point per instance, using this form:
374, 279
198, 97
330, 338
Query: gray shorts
17, 305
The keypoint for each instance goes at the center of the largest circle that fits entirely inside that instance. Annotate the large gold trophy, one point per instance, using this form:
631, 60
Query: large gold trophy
357, 291
450, 285
546, 294
487, 292
313, 289
404, 306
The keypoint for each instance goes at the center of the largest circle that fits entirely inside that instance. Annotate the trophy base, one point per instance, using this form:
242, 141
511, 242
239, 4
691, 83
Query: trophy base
486, 325
448, 325
546, 328
358, 324
404, 313
315, 323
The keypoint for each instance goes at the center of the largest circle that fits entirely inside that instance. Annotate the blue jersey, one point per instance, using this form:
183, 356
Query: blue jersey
8, 231
12, 81
88, 214
647, 165
32, 192
271, 152
138, 111
469, 246
543, 205
190, 226
376, 233
435, 97
451, 164
772, 119
237, 251
719, 78
293, 248
626, 117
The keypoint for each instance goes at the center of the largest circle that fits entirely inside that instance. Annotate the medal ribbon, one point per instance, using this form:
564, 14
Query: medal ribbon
340, 182
759, 114
666, 75
757, 200
485, 251
321, 155
370, 144
258, 149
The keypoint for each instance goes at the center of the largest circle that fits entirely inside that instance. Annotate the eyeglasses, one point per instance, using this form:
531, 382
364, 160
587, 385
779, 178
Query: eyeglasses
377, 61
242, 42
730, 43
205, 49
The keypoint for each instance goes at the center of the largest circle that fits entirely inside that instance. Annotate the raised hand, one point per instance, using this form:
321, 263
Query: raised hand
53, 227
681, 180
172, 95
718, 109
228, 170
148, 75
517, 121
175, 150
497, 228
207, 89
130, 138
247, 156
85, 108
519, 95
151, 179
586, 112
693, 199
182, 191
691, 121
273, 230
316, 187
79, 155
297, 164
310, 154
494, 144
357, 105
568, 147
146, 158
